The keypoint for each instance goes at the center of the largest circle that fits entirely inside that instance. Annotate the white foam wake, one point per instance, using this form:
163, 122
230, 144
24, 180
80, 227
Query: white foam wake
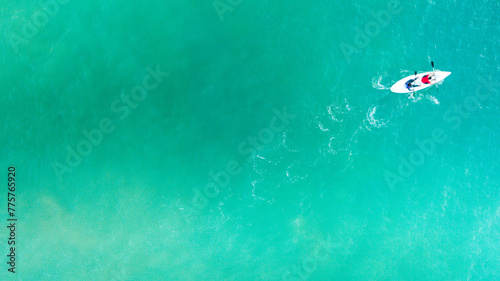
370, 116
433, 99
376, 83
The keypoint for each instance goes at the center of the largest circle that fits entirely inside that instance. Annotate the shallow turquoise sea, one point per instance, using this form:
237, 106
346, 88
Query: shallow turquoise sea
250, 140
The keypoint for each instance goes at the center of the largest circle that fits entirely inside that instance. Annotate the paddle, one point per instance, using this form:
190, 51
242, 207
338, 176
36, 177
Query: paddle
435, 77
413, 87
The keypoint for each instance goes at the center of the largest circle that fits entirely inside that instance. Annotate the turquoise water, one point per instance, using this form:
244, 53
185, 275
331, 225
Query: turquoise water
241, 140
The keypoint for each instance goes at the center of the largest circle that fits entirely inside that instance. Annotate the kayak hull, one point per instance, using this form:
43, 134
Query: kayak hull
400, 86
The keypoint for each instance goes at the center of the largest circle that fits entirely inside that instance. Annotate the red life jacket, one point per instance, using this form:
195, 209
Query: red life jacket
425, 79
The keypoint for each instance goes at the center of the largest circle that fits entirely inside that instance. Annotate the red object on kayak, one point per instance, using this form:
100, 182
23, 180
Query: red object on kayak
425, 79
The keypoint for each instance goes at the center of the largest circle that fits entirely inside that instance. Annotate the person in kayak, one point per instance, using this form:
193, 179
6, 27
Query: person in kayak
428, 79
409, 84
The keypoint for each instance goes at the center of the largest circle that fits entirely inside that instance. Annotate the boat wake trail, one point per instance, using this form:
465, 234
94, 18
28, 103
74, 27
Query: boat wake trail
376, 83
433, 99
370, 116
381, 113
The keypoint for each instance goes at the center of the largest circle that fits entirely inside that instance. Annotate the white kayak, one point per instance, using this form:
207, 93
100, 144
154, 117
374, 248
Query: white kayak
417, 85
